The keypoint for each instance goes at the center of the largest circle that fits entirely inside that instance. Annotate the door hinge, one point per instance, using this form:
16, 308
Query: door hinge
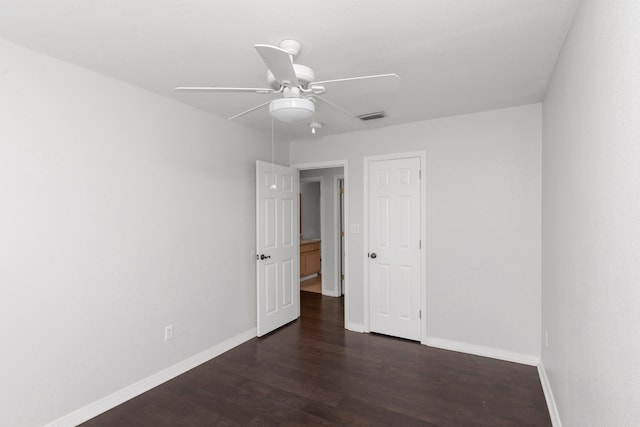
342, 234
342, 277
420, 314
419, 173
419, 244
341, 190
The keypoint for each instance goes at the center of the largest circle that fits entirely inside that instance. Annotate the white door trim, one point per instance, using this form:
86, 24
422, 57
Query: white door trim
344, 165
336, 231
422, 155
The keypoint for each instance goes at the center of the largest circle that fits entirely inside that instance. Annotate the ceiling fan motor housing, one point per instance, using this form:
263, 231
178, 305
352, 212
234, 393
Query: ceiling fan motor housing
304, 74
292, 46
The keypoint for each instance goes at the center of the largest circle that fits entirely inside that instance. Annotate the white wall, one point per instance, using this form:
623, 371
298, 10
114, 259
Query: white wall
591, 218
483, 210
120, 212
330, 283
310, 209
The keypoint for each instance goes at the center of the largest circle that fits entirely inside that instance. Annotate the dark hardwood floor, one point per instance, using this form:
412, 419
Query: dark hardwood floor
313, 372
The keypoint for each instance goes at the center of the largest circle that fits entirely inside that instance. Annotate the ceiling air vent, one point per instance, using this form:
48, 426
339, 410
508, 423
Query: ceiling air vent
372, 116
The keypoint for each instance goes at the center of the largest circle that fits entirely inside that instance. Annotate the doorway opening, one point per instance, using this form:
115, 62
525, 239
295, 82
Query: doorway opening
311, 222
323, 241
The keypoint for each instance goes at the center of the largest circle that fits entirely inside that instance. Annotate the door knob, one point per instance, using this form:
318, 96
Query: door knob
263, 256
373, 255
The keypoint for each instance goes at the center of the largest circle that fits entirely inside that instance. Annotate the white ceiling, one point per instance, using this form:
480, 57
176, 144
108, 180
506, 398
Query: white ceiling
453, 56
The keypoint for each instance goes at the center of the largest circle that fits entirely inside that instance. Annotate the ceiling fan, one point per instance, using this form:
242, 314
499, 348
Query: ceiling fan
297, 86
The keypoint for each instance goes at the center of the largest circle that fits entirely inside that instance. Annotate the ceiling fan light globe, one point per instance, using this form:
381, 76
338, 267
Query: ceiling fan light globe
290, 110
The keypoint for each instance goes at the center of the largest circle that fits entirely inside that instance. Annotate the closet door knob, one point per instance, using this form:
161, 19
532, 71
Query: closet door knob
373, 255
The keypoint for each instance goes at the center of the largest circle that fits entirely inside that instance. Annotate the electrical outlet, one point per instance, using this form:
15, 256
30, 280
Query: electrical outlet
168, 332
546, 338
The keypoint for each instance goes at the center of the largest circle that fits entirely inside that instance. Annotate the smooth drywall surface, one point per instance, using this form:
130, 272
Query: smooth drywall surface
483, 221
310, 209
591, 219
121, 212
329, 249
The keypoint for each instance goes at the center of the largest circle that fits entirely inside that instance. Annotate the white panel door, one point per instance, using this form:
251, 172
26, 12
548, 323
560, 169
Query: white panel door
278, 280
394, 247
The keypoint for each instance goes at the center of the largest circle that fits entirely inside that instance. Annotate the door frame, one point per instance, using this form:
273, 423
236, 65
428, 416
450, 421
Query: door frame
338, 259
336, 164
422, 155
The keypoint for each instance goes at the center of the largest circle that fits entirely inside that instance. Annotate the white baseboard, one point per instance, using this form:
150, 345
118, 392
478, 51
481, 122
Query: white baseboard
355, 327
548, 395
136, 389
331, 294
479, 350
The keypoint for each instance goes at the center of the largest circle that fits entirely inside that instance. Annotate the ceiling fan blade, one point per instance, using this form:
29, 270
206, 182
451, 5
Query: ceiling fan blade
279, 63
224, 89
250, 110
334, 105
360, 85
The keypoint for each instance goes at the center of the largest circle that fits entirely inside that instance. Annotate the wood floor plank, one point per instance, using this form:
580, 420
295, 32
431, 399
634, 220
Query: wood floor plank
314, 372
